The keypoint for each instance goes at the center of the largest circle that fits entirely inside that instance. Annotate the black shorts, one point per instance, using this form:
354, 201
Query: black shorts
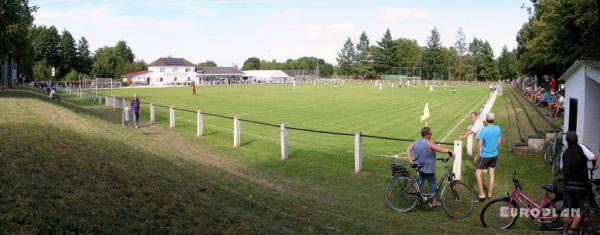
487, 162
574, 197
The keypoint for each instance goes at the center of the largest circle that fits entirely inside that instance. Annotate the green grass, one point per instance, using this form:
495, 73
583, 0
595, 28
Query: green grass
170, 180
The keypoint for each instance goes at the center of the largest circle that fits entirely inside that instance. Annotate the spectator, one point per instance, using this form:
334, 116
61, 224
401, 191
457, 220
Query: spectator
487, 152
54, 96
545, 101
557, 106
475, 128
552, 83
135, 109
574, 163
194, 88
424, 154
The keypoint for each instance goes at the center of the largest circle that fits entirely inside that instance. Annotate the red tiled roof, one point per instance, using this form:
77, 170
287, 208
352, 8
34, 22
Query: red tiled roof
129, 75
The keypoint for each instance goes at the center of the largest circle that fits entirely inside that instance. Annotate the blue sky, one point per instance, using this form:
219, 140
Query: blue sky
229, 31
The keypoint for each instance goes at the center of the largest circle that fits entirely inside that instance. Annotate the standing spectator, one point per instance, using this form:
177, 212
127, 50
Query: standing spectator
574, 163
194, 88
424, 154
135, 109
487, 151
552, 83
475, 128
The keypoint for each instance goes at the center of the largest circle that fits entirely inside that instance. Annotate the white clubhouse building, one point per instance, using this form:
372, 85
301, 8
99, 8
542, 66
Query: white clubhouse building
171, 71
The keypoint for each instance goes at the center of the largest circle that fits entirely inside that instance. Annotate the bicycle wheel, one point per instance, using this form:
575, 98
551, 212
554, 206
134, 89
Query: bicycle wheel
499, 214
556, 224
457, 199
401, 194
548, 152
556, 164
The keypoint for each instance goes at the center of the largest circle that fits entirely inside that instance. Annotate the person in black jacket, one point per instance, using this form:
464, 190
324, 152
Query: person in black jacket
574, 163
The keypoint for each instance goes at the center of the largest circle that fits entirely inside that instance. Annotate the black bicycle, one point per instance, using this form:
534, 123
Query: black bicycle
404, 192
553, 151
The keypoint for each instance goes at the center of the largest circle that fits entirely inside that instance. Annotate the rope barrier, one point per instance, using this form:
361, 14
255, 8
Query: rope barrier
297, 128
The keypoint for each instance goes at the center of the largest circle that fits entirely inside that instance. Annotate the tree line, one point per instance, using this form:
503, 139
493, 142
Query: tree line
389, 56
303, 63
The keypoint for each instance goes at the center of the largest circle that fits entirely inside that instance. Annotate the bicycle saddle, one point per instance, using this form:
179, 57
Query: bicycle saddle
550, 188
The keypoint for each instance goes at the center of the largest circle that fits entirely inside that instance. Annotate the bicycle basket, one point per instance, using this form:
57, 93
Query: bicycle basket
399, 170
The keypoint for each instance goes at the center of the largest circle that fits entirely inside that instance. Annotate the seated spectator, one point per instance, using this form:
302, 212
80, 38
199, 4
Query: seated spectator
558, 105
545, 101
54, 96
553, 100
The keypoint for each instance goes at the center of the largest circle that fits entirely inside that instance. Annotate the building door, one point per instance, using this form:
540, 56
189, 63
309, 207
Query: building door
572, 114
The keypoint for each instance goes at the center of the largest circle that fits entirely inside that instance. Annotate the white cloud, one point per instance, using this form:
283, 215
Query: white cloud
342, 26
398, 13
290, 13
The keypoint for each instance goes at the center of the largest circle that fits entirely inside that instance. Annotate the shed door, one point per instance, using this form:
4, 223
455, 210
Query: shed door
572, 114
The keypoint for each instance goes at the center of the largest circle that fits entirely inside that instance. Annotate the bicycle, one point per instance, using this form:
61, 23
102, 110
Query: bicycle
403, 192
553, 151
502, 213
590, 221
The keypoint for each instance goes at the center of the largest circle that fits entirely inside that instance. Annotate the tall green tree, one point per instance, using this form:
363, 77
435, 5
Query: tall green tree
364, 56
84, 59
68, 53
434, 58
558, 33
384, 55
252, 63
46, 45
482, 60
506, 64
346, 58
462, 49
407, 53
15, 42
124, 51
41, 71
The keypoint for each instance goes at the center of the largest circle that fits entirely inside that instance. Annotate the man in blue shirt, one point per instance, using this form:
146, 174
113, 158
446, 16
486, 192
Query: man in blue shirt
545, 101
487, 151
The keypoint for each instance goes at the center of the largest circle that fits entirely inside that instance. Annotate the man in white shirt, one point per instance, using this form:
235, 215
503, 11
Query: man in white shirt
475, 128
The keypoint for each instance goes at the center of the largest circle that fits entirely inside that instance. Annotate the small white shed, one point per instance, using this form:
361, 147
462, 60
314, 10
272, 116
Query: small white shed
582, 102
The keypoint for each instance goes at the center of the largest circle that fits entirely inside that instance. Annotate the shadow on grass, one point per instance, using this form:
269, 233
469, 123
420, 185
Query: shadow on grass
88, 108
60, 181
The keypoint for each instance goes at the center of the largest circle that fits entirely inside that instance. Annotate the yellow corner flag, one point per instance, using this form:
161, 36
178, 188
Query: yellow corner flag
425, 112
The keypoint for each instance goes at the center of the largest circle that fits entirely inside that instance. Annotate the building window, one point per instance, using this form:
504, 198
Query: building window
174, 70
162, 69
175, 79
187, 69
160, 79
189, 78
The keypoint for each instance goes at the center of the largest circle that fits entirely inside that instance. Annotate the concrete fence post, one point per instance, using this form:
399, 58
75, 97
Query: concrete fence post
470, 143
284, 142
236, 131
457, 168
357, 152
172, 116
123, 104
152, 113
199, 124
114, 101
106, 101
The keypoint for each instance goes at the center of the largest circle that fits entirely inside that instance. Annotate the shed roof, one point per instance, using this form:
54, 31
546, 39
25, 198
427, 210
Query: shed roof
591, 64
169, 61
220, 71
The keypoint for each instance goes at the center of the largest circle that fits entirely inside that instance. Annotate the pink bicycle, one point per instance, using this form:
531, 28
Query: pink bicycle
502, 213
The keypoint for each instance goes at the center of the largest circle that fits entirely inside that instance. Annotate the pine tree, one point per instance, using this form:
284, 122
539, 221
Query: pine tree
384, 55
68, 53
461, 47
346, 58
84, 59
434, 56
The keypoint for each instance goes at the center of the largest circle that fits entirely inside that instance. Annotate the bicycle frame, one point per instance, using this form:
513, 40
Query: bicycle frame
524, 201
445, 176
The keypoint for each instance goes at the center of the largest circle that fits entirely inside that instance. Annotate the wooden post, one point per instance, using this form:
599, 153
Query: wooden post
357, 152
470, 143
284, 142
152, 113
236, 132
172, 116
457, 168
199, 124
